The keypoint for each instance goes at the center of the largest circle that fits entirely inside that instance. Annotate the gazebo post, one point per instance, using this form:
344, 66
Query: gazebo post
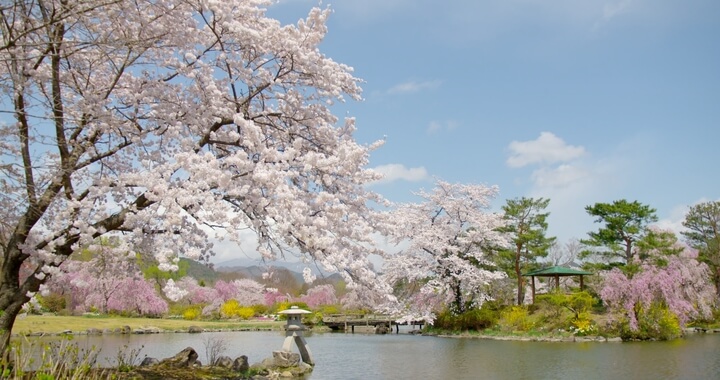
556, 272
533, 287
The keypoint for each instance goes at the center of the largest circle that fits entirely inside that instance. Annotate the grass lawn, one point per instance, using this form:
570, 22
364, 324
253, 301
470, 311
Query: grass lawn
56, 324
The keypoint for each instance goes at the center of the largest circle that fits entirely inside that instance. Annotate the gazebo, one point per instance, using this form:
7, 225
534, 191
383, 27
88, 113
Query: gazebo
557, 272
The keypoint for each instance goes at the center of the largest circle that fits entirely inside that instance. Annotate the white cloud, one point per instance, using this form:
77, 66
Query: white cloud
546, 149
395, 172
413, 87
439, 126
676, 216
673, 221
565, 175
561, 176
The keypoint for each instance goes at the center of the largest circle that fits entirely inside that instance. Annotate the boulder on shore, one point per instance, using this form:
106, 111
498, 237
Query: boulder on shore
184, 365
185, 358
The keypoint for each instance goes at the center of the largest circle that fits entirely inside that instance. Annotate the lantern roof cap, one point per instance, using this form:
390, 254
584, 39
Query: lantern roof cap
294, 310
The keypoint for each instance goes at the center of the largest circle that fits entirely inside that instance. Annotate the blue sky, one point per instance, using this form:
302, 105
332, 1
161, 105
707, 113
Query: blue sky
577, 101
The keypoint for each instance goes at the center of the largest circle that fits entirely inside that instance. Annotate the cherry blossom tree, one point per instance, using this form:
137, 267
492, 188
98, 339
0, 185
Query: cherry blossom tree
97, 281
447, 236
320, 295
109, 281
365, 298
174, 123
193, 293
681, 284
137, 295
249, 292
173, 292
225, 290
273, 296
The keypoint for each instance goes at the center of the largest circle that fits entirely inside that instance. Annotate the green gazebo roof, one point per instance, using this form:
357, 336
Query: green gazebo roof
556, 271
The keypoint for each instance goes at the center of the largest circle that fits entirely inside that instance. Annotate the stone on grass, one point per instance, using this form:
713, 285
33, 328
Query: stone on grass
223, 361
185, 358
148, 361
286, 359
241, 364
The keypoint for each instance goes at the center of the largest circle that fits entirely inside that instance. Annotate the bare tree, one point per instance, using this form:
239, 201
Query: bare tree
214, 347
565, 254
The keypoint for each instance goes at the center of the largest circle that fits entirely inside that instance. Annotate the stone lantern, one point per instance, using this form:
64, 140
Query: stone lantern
293, 332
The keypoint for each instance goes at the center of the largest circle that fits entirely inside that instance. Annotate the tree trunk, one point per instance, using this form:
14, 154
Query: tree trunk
459, 307
13, 293
520, 288
11, 301
628, 251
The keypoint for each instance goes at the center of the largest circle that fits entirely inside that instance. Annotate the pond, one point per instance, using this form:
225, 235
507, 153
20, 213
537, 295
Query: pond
405, 356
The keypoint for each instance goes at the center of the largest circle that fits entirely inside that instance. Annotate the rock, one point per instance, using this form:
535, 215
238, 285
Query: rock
241, 364
223, 361
286, 359
148, 361
185, 358
382, 329
147, 330
93, 331
267, 363
615, 339
286, 374
195, 329
125, 330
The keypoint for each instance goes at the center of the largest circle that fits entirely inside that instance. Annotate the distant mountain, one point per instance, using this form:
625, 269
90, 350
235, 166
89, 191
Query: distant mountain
294, 266
200, 271
284, 274
256, 272
249, 262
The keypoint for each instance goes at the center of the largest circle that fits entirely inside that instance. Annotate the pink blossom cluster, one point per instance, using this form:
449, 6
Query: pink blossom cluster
320, 295
682, 286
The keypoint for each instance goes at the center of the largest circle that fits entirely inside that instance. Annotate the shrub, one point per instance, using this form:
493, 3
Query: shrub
245, 312
230, 309
446, 320
260, 309
654, 323
583, 325
515, 318
580, 303
192, 313
479, 319
474, 319
555, 303
52, 302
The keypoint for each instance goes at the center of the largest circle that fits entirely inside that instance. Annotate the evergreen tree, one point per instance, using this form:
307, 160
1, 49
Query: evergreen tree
625, 223
703, 224
527, 225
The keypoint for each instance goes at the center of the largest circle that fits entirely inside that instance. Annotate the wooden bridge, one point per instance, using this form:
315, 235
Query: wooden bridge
345, 321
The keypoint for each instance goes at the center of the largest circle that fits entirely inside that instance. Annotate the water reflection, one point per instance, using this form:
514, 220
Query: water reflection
404, 356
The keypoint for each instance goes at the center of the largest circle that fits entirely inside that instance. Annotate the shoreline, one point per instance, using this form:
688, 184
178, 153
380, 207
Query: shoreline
40, 326
566, 339
52, 325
